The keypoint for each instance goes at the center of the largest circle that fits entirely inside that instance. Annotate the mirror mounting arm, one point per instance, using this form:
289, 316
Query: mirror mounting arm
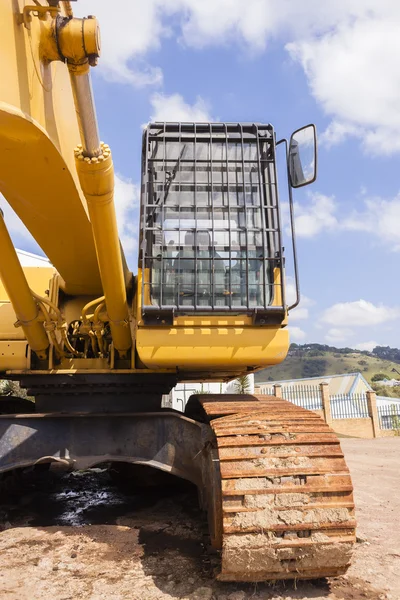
292, 227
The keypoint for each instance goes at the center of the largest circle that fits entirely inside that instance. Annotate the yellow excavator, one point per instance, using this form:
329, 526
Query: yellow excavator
98, 346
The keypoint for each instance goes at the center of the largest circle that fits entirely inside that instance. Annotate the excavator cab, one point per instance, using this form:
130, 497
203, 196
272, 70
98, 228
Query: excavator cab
210, 220
211, 251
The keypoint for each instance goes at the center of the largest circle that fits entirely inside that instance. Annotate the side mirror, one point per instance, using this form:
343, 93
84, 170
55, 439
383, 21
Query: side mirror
303, 156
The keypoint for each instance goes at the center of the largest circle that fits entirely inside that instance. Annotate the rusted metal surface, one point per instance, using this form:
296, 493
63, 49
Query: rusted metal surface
166, 441
271, 475
287, 507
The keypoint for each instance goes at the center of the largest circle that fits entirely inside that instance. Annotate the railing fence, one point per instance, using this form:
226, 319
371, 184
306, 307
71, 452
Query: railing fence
268, 391
306, 396
349, 406
342, 406
389, 416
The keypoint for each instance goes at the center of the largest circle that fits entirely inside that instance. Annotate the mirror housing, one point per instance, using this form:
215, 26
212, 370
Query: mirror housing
302, 158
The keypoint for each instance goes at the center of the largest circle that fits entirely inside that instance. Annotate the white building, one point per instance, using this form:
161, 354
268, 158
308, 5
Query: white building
179, 396
389, 382
27, 259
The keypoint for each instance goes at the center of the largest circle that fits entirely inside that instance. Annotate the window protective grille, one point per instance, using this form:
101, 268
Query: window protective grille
210, 222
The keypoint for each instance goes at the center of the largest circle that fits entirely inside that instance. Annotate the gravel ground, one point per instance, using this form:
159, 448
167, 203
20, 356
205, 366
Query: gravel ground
77, 536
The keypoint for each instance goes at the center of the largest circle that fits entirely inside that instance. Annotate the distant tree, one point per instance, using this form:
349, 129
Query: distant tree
379, 377
362, 362
387, 353
314, 368
243, 385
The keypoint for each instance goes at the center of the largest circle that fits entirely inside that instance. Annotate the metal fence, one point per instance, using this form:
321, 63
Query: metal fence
306, 396
268, 391
349, 406
389, 416
343, 406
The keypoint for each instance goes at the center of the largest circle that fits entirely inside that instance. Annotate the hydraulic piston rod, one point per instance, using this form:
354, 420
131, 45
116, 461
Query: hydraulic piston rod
77, 42
17, 289
85, 112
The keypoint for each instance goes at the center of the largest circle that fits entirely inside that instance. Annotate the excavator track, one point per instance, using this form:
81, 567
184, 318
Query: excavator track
282, 498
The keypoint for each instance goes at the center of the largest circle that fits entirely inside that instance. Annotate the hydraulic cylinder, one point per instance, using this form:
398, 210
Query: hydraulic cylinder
17, 289
96, 177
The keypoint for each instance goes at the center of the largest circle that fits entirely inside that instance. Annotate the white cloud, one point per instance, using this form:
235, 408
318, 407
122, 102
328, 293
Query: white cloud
129, 34
140, 27
126, 36
20, 235
347, 48
336, 335
336, 133
360, 313
174, 108
126, 197
352, 72
380, 218
299, 313
316, 217
221, 21
369, 346
296, 334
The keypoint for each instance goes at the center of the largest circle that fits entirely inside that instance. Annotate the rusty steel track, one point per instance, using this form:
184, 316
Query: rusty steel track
284, 508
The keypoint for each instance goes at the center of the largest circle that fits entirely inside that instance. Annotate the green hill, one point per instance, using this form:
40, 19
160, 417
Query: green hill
314, 360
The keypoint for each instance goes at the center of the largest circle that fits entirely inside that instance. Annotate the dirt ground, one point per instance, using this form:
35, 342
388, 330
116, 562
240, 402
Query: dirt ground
77, 536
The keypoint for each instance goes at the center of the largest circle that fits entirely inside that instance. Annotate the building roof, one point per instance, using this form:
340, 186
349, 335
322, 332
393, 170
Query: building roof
386, 401
345, 383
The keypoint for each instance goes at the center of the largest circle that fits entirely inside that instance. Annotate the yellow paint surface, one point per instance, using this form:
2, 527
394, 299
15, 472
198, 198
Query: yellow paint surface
190, 348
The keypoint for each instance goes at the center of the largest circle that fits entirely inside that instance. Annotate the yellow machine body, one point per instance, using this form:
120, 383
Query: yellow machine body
38, 131
67, 205
230, 343
99, 348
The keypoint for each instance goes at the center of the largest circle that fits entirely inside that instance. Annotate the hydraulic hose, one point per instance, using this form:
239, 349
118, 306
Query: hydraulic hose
62, 326
89, 305
50, 329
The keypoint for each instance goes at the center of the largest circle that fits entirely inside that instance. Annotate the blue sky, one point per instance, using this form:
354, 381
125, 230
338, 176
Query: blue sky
288, 63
